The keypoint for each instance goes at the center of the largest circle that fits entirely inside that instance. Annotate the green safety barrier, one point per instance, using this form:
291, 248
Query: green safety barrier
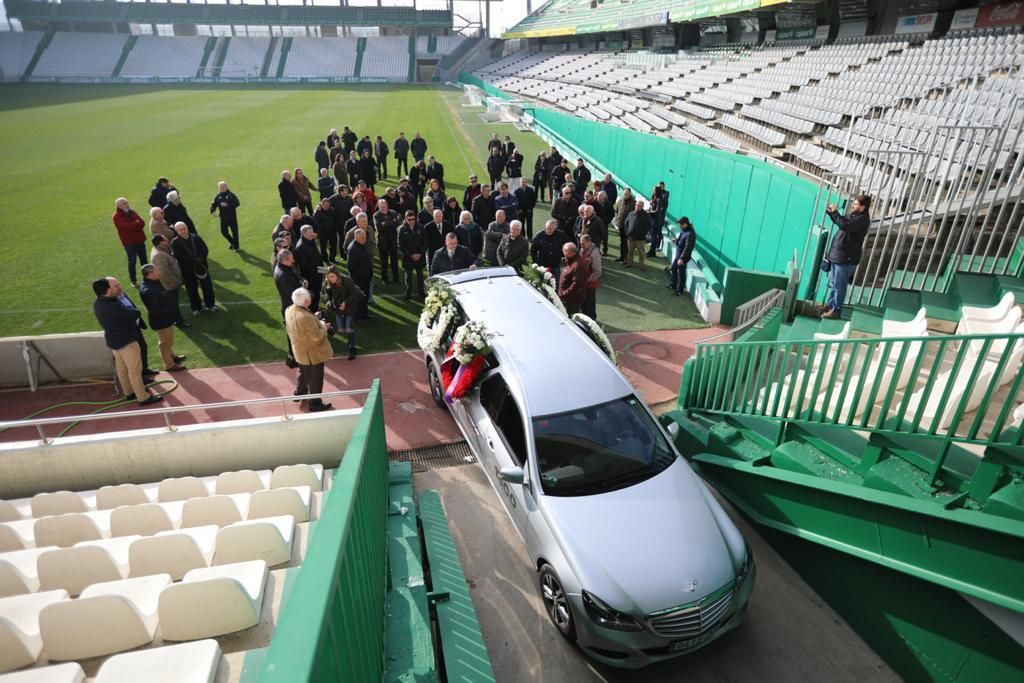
332, 628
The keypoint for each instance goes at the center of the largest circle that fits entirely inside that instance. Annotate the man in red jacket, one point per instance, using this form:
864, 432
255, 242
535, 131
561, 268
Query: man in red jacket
572, 281
131, 230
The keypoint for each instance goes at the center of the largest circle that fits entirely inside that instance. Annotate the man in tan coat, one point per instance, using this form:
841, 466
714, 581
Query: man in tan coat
170, 273
310, 345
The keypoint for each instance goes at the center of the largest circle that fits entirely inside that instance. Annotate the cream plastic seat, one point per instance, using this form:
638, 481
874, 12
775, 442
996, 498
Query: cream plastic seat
146, 519
181, 488
185, 663
219, 510
242, 481
58, 503
67, 530
267, 539
819, 371
298, 475
110, 497
292, 501
18, 573
17, 535
71, 672
107, 618
173, 552
74, 569
9, 512
989, 313
213, 601
20, 641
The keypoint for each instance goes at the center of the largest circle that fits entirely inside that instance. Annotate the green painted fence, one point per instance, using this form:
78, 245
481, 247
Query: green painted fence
332, 628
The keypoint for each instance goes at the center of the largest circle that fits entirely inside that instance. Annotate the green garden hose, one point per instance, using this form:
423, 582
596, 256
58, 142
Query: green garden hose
104, 405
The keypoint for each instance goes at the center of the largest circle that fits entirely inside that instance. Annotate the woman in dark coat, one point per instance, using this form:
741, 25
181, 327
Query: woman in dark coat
541, 180
352, 165
368, 169
452, 210
436, 193
342, 299
303, 187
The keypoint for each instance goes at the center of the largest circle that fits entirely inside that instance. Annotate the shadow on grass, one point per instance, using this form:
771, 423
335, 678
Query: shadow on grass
233, 336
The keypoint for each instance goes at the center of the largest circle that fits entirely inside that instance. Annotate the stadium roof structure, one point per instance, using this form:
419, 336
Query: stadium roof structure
573, 17
102, 11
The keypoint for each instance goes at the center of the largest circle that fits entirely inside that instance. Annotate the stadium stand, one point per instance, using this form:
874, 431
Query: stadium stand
321, 58
243, 59
386, 57
164, 57
16, 52
80, 55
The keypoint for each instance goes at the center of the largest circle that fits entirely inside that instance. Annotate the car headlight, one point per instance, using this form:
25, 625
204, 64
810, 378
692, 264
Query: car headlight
748, 562
603, 615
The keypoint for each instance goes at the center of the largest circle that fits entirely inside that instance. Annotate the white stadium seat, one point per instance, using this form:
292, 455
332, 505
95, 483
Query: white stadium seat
18, 573
219, 510
185, 663
181, 488
57, 503
147, 519
242, 481
298, 475
214, 601
74, 569
107, 618
17, 535
292, 501
67, 530
267, 539
71, 672
20, 640
173, 552
9, 512
110, 497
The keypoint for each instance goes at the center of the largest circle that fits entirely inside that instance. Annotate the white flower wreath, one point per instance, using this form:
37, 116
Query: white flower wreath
431, 337
470, 340
544, 282
594, 331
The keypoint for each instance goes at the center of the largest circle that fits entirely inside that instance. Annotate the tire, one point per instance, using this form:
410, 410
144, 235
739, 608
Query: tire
556, 603
434, 382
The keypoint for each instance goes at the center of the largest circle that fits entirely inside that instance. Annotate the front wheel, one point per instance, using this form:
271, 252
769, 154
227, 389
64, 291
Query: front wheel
556, 603
434, 380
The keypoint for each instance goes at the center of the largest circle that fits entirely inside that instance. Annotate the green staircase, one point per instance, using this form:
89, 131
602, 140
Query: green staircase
44, 42
286, 45
412, 60
360, 49
128, 45
208, 50
268, 58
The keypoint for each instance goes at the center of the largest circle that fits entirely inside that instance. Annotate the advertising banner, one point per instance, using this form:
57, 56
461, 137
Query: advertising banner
964, 19
1003, 14
917, 23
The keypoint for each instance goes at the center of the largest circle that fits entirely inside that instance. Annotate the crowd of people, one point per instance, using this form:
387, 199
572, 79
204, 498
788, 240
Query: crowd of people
350, 223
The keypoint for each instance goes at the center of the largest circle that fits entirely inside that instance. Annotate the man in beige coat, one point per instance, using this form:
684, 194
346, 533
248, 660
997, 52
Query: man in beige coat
170, 272
310, 346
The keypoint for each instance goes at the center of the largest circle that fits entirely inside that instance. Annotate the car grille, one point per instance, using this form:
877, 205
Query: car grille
694, 619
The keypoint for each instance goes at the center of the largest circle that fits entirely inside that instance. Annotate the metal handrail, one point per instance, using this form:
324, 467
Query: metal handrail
166, 412
766, 302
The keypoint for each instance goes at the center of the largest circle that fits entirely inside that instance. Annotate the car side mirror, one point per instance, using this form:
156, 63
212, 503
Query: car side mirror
513, 475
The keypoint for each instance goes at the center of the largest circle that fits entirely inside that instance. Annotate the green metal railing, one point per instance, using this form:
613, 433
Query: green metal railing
332, 627
955, 388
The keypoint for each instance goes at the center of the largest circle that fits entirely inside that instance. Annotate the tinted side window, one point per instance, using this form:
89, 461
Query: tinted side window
504, 413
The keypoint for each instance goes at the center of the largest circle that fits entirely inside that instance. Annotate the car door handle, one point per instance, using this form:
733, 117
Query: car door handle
490, 444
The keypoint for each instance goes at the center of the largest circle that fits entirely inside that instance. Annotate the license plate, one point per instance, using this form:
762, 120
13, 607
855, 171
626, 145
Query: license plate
680, 645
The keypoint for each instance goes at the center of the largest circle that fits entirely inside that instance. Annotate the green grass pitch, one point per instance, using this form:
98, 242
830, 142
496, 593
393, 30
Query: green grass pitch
70, 150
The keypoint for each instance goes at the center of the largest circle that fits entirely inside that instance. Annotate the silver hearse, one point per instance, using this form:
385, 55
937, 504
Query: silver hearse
636, 560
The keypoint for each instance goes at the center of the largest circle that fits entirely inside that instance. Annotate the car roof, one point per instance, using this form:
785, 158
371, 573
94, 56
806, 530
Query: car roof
555, 365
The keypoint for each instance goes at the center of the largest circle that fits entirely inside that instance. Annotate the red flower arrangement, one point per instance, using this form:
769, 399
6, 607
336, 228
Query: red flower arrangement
456, 378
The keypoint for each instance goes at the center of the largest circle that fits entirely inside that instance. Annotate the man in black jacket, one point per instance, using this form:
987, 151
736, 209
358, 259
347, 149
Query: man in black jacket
565, 210
326, 230
483, 207
418, 147
418, 179
380, 152
348, 139
604, 210
386, 223
412, 242
546, 249
360, 268
452, 256
227, 203
495, 164
121, 332
581, 176
526, 198
191, 253
307, 257
163, 314
638, 228
434, 170
289, 197
321, 156
367, 168
175, 211
435, 230
401, 154
287, 279
364, 145
684, 243
158, 195
845, 251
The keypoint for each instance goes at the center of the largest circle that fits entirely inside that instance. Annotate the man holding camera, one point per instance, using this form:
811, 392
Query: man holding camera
308, 336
